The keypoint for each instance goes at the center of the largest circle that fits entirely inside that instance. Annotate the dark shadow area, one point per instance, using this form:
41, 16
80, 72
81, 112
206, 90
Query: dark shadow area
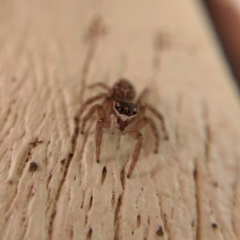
226, 20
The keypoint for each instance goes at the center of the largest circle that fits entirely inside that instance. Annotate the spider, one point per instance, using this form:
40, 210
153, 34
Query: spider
119, 112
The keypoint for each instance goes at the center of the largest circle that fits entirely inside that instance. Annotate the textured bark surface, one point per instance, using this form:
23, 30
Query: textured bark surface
51, 187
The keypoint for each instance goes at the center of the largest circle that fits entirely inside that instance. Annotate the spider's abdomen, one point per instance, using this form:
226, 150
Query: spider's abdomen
124, 90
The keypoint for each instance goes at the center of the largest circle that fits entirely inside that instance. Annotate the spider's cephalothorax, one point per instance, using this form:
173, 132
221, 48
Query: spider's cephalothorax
119, 112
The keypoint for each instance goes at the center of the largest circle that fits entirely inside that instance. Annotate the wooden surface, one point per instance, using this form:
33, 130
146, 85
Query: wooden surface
49, 52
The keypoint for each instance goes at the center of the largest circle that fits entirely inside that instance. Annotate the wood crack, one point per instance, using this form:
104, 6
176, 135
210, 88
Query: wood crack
197, 198
53, 214
117, 217
27, 158
117, 213
207, 143
5, 120
64, 108
179, 110
25, 220
7, 133
235, 189
163, 216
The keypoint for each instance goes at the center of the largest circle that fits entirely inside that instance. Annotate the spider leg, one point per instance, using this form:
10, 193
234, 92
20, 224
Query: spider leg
142, 95
160, 117
142, 123
99, 84
92, 110
99, 127
141, 111
91, 100
139, 137
101, 123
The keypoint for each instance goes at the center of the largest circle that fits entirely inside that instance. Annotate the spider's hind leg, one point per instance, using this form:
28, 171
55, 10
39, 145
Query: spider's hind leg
99, 84
160, 117
142, 96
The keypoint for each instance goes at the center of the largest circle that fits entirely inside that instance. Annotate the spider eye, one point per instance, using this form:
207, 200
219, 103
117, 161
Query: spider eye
120, 110
125, 108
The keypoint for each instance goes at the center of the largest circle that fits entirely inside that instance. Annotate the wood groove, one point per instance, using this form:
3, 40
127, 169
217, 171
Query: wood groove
198, 200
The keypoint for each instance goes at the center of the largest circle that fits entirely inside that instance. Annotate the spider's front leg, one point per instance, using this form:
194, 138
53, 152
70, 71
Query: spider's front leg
92, 110
139, 137
97, 97
92, 100
99, 127
142, 123
101, 123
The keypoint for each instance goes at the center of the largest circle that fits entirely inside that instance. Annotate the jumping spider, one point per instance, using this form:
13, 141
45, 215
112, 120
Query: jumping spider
119, 112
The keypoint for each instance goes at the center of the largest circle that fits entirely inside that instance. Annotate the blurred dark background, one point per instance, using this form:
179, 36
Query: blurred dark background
225, 16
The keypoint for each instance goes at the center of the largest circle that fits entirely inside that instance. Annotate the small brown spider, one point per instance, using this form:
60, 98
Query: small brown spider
119, 112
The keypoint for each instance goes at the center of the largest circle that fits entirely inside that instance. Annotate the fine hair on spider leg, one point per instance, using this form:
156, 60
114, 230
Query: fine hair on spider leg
119, 112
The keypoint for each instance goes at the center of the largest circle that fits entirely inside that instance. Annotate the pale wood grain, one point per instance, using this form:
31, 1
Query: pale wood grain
49, 53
